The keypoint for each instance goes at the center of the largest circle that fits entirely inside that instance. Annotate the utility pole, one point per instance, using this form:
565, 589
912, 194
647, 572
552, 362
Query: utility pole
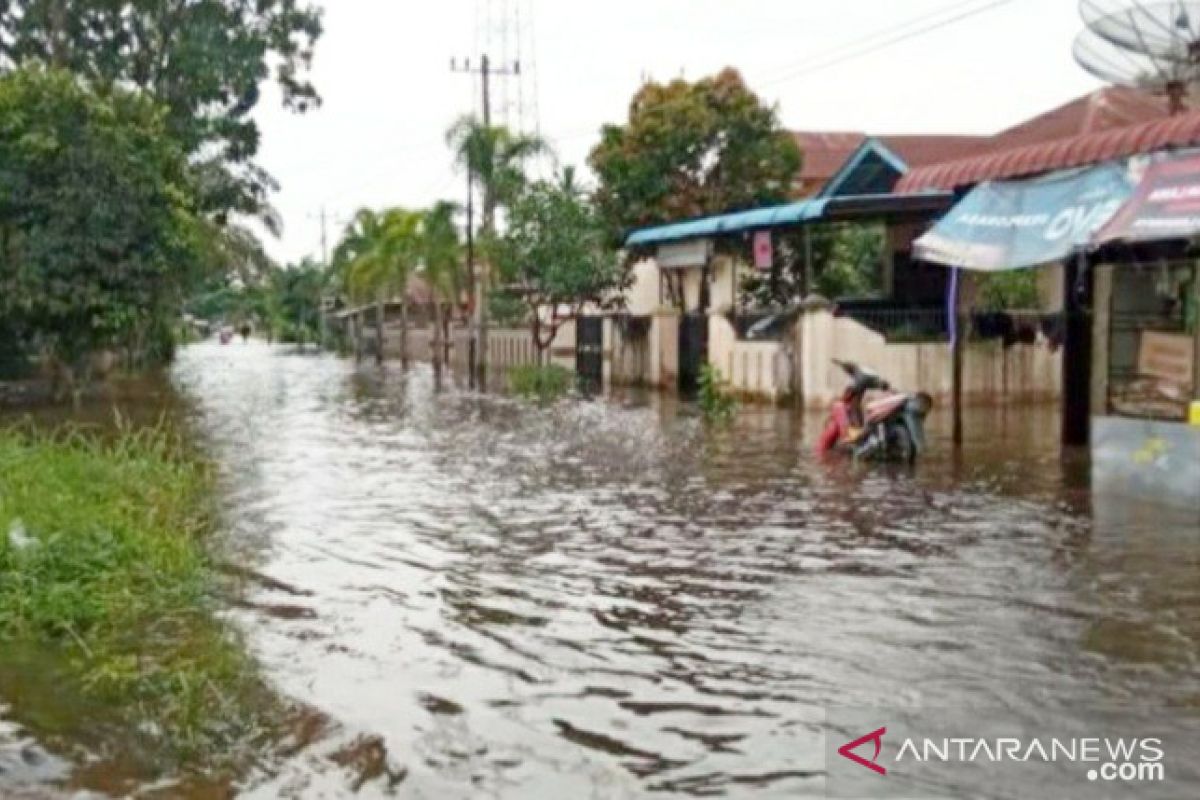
324, 239
322, 305
471, 366
479, 272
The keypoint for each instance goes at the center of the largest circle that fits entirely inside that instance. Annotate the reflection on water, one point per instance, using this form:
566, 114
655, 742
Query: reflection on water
604, 599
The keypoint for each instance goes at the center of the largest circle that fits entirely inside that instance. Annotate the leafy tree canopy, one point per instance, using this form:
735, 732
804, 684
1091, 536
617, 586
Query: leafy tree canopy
98, 235
554, 255
205, 61
846, 262
691, 149
496, 159
380, 252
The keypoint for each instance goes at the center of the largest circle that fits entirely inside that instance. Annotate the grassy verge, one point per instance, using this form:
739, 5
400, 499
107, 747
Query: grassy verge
544, 384
103, 571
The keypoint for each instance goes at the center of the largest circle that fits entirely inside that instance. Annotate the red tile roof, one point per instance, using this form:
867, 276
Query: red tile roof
1084, 149
824, 154
917, 150
1020, 149
1101, 110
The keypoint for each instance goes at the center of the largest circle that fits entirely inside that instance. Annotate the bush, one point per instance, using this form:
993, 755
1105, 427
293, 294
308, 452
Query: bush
717, 402
1005, 291
544, 384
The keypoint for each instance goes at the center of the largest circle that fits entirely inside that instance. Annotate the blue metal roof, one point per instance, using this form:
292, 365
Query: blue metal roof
840, 207
771, 216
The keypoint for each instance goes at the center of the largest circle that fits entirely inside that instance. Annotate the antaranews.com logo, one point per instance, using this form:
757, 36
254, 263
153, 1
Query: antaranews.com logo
933, 756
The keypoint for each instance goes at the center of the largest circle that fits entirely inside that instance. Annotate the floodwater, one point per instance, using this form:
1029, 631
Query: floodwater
611, 599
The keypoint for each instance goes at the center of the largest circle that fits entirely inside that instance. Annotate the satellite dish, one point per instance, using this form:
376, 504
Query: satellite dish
1123, 67
1152, 46
1162, 29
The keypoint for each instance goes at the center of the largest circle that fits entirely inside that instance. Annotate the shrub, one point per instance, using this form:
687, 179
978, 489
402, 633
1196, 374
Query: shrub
717, 402
544, 384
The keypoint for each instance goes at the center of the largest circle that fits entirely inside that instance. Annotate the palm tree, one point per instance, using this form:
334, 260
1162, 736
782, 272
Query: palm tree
357, 243
495, 158
443, 272
384, 250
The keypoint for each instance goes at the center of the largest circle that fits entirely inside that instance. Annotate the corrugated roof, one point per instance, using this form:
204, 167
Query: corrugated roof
1101, 110
1182, 130
788, 214
844, 207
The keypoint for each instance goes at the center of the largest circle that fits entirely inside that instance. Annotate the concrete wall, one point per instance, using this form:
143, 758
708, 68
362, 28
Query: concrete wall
992, 373
802, 363
642, 295
507, 347
758, 370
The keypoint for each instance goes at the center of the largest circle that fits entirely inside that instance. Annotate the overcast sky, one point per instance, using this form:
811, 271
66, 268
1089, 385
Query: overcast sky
383, 69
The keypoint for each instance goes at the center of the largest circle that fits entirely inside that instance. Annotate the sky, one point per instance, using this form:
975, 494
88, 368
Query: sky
383, 70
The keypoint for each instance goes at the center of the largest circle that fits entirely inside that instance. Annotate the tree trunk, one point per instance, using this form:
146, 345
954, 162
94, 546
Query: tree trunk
535, 331
404, 332
484, 271
380, 323
356, 323
437, 339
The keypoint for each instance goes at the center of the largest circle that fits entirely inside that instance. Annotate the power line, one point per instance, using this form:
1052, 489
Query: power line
835, 55
857, 48
870, 38
803, 72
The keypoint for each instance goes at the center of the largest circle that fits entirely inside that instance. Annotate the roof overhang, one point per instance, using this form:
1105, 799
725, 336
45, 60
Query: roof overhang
1182, 130
805, 212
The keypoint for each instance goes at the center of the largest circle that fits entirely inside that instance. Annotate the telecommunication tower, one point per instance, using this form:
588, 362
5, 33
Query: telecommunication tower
504, 31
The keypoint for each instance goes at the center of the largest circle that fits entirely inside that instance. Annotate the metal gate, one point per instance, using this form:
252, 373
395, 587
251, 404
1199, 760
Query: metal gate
589, 353
693, 352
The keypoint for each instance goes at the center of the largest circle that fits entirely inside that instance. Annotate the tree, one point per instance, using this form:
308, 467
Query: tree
495, 158
554, 257
204, 60
846, 261
99, 240
388, 250
443, 271
689, 150
293, 300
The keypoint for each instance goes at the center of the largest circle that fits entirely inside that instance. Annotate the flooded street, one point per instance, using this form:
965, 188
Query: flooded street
609, 599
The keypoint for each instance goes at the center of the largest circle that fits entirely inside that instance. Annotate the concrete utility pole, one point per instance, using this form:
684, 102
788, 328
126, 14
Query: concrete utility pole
324, 239
322, 332
479, 272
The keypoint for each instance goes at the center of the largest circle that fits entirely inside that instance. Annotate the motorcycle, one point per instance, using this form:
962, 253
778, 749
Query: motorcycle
889, 429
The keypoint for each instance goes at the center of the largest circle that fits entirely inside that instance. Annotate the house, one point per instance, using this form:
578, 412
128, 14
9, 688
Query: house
905, 181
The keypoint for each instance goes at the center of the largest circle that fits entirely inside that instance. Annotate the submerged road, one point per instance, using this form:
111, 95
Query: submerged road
608, 599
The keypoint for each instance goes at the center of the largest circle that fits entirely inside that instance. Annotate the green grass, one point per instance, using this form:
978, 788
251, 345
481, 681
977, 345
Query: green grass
104, 571
544, 384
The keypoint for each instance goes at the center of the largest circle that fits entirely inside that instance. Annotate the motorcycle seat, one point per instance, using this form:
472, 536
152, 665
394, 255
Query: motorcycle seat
885, 407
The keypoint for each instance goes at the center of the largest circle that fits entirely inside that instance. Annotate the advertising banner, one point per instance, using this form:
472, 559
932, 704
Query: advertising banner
1007, 225
1166, 205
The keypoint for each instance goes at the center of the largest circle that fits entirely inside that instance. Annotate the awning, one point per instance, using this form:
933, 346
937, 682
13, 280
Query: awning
707, 227
1015, 224
1165, 206
839, 208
